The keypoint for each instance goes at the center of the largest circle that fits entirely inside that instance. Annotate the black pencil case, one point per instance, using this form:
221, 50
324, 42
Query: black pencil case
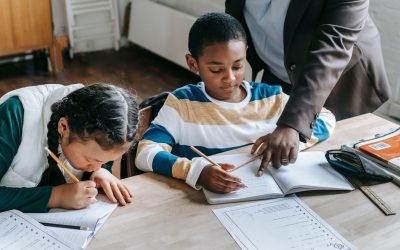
352, 164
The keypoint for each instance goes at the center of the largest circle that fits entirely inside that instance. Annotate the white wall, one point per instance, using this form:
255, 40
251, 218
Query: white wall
386, 15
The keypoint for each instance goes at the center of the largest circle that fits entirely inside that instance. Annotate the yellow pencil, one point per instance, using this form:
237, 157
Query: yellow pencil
209, 159
247, 162
73, 177
204, 156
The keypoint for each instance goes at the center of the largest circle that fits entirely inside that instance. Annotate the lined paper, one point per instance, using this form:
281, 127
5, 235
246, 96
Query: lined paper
92, 217
19, 231
284, 223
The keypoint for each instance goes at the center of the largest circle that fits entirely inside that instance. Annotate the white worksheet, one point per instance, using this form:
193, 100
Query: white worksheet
279, 224
19, 231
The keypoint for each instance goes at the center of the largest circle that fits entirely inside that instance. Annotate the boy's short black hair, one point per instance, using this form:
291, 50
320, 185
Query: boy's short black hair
213, 28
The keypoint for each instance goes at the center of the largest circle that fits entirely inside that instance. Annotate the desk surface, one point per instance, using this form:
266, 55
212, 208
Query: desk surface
168, 214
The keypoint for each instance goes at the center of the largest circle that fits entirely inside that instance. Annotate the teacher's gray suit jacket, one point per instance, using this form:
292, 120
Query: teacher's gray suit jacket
333, 58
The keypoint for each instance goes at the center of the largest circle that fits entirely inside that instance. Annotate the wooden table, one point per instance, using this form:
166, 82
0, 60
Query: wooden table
168, 214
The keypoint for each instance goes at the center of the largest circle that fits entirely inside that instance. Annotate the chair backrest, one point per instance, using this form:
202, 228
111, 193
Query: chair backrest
128, 167
145, 118
149, 109
156, 102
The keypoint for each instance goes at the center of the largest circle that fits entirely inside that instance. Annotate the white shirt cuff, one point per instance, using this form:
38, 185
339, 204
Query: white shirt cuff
198, 163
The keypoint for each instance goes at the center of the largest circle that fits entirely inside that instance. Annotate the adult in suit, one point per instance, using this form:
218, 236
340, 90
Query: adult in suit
322, 52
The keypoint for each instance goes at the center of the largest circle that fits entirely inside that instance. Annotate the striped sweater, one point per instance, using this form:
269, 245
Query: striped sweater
190, 117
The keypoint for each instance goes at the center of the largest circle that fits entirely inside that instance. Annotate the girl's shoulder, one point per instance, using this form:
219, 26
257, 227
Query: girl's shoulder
11, 105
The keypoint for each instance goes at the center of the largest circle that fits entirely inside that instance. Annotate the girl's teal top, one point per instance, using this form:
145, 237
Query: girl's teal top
33, 199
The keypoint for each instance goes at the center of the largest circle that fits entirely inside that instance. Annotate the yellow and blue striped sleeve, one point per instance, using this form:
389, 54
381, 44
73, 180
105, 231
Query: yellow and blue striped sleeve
158, 150
322, 130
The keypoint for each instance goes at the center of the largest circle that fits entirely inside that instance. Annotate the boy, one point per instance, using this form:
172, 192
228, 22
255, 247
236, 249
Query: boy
221, 113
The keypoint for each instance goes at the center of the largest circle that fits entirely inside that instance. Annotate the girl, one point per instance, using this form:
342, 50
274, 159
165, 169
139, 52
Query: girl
86, 126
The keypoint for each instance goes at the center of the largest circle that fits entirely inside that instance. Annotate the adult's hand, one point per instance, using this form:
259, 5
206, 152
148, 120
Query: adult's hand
280, 148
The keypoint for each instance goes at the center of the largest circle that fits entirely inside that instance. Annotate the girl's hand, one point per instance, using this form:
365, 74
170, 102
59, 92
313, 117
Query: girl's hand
112, 186
73, 195
216, 179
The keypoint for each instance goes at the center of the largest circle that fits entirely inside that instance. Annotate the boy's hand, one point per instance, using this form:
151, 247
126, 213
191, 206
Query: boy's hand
112, 186
280, 147
73, 195
216, 179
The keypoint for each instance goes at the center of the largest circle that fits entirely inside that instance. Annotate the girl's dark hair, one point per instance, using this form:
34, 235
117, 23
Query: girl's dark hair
101, 112
214, 28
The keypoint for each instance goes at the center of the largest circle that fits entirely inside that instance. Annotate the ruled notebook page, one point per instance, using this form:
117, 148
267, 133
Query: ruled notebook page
92, 217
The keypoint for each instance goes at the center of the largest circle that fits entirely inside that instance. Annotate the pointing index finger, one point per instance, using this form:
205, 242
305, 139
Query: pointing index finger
264, 163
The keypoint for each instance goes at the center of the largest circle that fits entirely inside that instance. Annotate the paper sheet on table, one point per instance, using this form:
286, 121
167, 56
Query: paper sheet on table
19, 231
284, 223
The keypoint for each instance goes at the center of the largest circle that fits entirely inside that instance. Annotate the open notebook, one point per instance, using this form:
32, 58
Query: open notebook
310, 172
91, 218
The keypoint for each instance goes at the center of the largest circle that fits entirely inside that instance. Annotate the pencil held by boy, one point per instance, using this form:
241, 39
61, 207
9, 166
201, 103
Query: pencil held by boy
58, 139
221, 113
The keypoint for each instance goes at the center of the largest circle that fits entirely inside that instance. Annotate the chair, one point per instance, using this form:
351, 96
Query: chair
81, 28
149, 109
128, 167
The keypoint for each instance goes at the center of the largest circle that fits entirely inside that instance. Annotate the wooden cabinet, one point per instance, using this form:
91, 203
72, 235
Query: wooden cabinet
27, 25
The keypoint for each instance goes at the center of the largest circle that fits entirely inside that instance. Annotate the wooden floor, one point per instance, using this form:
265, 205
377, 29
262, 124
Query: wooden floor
131, 67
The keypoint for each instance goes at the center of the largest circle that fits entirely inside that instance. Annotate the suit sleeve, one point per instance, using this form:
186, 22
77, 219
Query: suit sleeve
155, 150
322, 130
24, 199
329, 53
